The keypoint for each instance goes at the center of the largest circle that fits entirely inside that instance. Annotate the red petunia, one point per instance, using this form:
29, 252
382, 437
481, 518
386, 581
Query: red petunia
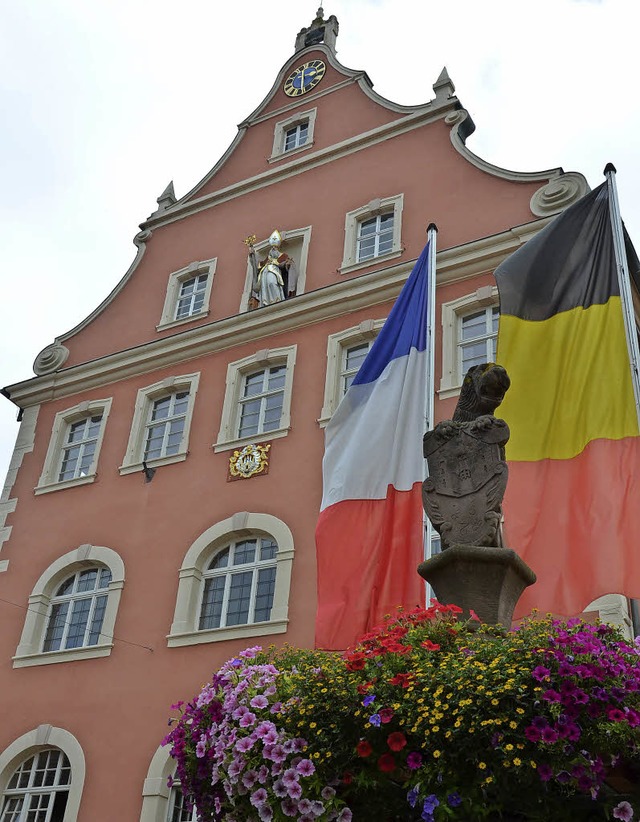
387, 763
347, 778
396, 741
430, 646
386, 715
401, 679
363, 748
366, 686
355, 662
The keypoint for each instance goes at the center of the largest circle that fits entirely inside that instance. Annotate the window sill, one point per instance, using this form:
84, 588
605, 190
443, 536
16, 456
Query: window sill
67, 655
182, 321
284, 154
227, 445
136, 467
60, 486
447, 391
278, 626
392, 255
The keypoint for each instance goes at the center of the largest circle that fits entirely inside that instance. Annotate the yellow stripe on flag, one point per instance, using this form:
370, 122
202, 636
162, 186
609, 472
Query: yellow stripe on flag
570, 382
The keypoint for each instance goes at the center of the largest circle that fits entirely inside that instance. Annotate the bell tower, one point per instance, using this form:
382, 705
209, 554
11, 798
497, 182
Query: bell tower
320, 31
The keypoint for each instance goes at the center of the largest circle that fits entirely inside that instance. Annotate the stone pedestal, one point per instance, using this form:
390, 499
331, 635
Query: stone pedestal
486, 580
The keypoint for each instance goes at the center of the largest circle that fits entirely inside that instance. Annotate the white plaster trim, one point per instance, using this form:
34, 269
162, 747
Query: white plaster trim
452, 311
614, 610
24, 445
188, 601
132, 460
61, 423
341, 298
155, 791
176, 278
228, 434
290, 236
282, 126
46, 736
336, 346
29, 651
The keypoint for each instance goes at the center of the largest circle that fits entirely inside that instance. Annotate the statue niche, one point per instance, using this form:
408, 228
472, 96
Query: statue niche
274, 277
463, 493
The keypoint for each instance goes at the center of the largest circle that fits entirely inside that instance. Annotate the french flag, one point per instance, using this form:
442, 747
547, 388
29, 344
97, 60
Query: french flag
369, 537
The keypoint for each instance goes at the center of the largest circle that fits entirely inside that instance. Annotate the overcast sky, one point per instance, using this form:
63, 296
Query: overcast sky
104, 101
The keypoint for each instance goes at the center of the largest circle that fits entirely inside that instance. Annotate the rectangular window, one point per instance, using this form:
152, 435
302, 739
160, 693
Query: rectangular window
375, 237
261, 401
352, 359
165, 428
296, 136
477, 337
191, 296
79, 448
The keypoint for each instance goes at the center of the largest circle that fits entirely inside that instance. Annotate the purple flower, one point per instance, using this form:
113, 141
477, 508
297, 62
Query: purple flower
375, 720
201, 749
247, 720
263, 774
345, 815
414, 760
244, 744
545, 772
305, 767
304, 806
250, 653
540, 673
258, 797
317, 808
290, 777
454, 799
549, 735
259, 701
623, 810
263, 728
265, 813
280, 789
250, 779
430, 803
551, 696
328, 792
412, 797
368, 700
289, 807
295, 790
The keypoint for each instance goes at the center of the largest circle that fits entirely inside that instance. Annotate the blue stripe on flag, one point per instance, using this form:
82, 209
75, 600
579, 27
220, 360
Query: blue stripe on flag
406, 325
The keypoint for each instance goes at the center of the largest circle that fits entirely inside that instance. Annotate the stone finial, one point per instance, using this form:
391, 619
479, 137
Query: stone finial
443, 87
50, 359
166, 199
320, 31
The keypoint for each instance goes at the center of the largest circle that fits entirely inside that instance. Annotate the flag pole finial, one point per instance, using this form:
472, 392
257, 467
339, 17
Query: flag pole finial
608, 168
432, 227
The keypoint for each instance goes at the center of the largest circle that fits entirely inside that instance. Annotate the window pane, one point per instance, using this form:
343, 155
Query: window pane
221, 560
473, 325
277, 377
244, 552
264, 594
356, 355
161, 408
268, 548
87, 580
212, 603
97, 620
239, 598
368, 227
66, 587
105, 578
253, 384
78, 623
55, 628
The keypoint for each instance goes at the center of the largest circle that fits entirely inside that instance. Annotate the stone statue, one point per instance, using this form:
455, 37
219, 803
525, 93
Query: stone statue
275, 276
467, 470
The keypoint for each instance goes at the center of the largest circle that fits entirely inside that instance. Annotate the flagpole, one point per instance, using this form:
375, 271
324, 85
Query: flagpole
429, 420
624, 281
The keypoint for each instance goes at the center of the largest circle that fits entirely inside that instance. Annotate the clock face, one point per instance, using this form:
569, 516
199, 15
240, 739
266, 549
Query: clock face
304, 78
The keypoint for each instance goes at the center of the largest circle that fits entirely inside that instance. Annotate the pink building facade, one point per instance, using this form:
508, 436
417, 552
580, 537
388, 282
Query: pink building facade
138, 555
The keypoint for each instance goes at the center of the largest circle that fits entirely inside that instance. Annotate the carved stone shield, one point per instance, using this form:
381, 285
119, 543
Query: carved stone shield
467, 480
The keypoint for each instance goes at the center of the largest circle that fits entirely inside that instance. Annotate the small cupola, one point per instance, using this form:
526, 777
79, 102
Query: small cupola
320, 31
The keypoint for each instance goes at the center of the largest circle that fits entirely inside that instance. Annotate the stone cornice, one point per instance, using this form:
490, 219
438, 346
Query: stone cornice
336, 300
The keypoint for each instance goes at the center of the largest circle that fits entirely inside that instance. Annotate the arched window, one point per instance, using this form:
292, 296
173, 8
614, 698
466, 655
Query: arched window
41, 777
161, 803
38, 789
72, 609
178, 810
234, 581
239, 584
77, 610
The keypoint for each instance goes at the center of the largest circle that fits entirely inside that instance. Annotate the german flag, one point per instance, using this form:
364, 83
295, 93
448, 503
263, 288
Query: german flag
572, 507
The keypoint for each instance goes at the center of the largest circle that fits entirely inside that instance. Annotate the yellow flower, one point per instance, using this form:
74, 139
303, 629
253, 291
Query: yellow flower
437, 754
482, 765
517, 761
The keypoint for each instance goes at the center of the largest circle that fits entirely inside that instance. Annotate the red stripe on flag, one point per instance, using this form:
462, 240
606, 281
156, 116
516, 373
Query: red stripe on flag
368, 552
576, 523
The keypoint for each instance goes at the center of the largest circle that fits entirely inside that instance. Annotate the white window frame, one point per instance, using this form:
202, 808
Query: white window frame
452, 312
337, 344
29, 651
243, 525
133, 457
375, 208
236, 371
176, 278
62, 423
281, 128
157, 796
39, 739
289, 236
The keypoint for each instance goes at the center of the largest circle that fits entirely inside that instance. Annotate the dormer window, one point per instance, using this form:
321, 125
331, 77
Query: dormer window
296, 136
